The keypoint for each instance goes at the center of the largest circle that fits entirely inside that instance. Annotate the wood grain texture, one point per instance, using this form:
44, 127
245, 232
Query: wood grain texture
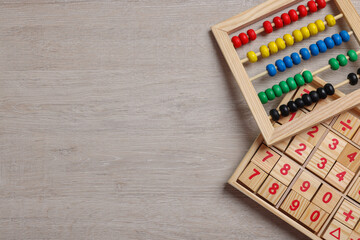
121, 120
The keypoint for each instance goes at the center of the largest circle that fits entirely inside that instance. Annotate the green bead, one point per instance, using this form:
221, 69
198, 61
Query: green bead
299, 80
342, 60
263, 98
284, 87
270, 94
353, 57
277, 90
334, 64
291, 83
307, 75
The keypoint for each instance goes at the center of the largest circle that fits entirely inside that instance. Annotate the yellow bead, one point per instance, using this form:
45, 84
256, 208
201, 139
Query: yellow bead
273, 47
305, 32
265, 52
280, 43
252, 56
330, 20
298, 35
289, 40
320, 25
313, 29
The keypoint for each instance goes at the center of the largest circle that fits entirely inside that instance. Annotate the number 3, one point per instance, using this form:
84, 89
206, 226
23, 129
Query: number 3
322, 164
334, 144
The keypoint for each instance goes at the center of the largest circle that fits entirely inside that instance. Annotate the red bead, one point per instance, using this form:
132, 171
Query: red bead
278, 22
293, 15
286, 18
268, 27
252, 34
302, 10
243, 38
321, 4
312, 6
236, 41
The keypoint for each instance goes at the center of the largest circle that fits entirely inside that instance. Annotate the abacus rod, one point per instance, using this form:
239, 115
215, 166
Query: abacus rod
246, 59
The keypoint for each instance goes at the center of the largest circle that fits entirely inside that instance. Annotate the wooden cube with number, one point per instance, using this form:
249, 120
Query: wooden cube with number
348, 214
265, 158
285, 170
339, 176
337, 231
332, 145
272, 190
347, 124
313, 134
294, 204
354, 192
306, 89
314, 217
354, 236
320, 164
350, 157
291, 117
299, 149
282, 145
306, 185
252, 177
326, 198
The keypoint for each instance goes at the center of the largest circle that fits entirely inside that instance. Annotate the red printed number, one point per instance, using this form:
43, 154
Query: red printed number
341, 175
292, 116
294, 205
311, 133
285, 169
322, 164
300, 150
327, 197
315, 216
274, 188
269, 155
352, 156
334, 144
255, 174
305, 186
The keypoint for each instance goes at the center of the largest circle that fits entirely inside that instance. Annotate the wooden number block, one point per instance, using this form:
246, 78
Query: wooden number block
306, 89
252, 177
332, 145
320, 164
348, 214
347, 124
314, 217
326, 198
354, 192
313, 134
354, 236
282, 145
272, 190
291, 117
285, 170
350, 157
265, 158
339, 176
294, 204
306, 185
337, 231
299, 149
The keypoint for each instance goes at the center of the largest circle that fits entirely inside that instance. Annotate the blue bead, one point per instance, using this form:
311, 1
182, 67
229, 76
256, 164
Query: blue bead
337, 39
271, 70
322, 46
305, 54
280, 65
288, 62
329, 42
345, 36
296, 58
314, 49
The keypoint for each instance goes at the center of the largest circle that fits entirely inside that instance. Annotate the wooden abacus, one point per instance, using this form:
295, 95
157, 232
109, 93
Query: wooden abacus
255, 101
311, 180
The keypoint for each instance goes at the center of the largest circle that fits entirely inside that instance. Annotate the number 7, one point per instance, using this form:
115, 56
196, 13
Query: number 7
255, 174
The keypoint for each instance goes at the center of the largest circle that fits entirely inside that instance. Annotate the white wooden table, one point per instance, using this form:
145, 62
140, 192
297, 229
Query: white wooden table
121, 120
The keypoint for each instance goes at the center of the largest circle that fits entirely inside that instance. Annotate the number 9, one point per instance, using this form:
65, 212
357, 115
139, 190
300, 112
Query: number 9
305, 186
294, 205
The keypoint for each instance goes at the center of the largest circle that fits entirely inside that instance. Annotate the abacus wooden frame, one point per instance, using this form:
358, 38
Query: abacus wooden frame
272, 135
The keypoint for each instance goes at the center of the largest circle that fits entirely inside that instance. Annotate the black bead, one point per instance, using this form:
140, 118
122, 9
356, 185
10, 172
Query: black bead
274, 114
299, 103
285, 111
292, 106
353, 78
314, 96
322, 93
307, 99
329, 89
358, 71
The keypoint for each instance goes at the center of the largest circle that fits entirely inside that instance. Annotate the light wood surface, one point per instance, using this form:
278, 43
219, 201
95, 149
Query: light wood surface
121, 120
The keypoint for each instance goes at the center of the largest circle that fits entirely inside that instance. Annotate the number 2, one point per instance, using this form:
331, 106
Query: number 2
255, 174
311, 133
298, 151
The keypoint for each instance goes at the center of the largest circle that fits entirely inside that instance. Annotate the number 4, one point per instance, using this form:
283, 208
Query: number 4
352, 156
341, 175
